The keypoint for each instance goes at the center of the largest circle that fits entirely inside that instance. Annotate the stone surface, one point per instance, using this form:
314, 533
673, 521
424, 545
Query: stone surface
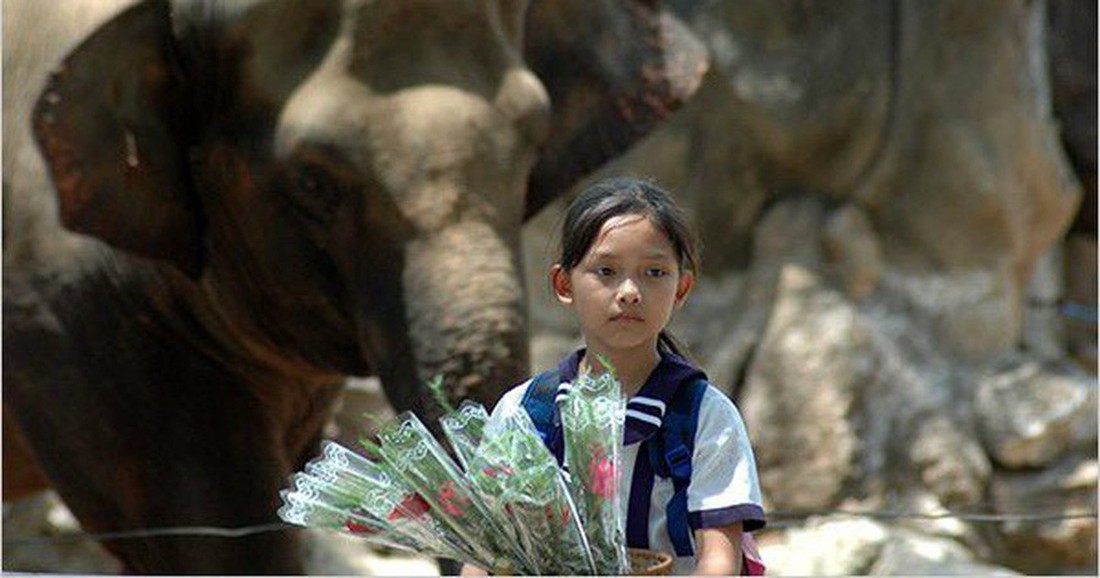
805, 375
912, 554
951, 464
974, 313
852, 546
1046, 545
41, 535
833, 546
361, 398
1030, 413
332, 554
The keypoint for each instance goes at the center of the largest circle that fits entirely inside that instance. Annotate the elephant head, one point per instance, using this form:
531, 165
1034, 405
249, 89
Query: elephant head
337, 187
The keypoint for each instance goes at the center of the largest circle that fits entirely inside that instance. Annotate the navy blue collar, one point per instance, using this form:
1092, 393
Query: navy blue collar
645, 411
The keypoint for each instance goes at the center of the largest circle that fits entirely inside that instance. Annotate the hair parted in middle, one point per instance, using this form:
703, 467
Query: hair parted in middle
617, 196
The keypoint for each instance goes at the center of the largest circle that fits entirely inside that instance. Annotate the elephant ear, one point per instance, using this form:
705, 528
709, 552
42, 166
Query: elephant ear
111, 125
614, 70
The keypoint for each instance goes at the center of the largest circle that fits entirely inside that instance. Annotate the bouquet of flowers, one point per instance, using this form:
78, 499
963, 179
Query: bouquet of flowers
502, 504
521, 478
592, 415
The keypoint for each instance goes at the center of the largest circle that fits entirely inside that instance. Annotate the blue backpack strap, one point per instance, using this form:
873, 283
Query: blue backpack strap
670, 457
538, 401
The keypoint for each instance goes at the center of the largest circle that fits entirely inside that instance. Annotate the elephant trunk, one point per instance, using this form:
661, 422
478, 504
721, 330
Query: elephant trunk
466, 312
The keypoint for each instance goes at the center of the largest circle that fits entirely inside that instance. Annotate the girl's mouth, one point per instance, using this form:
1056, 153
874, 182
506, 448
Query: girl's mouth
626, 317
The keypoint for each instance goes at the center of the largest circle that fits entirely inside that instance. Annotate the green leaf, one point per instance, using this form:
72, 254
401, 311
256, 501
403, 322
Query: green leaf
435, 385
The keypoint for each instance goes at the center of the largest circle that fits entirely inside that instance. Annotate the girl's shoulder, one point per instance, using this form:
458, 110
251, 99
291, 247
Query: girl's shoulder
513, 397
717, 407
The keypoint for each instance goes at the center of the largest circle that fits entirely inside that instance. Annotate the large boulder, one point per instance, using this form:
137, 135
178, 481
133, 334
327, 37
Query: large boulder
1031, 413
1050, 515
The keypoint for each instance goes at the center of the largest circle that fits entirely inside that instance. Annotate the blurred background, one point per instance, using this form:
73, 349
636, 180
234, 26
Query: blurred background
897, 206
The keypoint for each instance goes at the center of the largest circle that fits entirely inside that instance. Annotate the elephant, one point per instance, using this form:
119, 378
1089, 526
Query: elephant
216, 212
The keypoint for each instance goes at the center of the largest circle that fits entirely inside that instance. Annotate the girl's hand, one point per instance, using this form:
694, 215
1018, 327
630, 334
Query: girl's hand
471, 570
718, 551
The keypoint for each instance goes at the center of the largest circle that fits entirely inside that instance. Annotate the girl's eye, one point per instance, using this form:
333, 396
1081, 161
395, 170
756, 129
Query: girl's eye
605, 271
656, 272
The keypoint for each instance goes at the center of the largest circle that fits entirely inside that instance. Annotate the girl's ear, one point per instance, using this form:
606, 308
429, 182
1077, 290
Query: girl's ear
687, 281
563, 286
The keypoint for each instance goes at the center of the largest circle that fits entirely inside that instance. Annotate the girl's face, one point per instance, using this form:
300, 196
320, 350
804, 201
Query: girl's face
626, 287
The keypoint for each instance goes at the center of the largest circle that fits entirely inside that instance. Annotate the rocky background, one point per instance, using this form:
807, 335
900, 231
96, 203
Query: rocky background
897, 202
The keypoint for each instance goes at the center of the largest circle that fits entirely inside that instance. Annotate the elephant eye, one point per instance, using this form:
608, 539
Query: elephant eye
316, 194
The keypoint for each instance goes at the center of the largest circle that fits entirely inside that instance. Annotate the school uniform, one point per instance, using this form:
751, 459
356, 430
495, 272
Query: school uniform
724, 488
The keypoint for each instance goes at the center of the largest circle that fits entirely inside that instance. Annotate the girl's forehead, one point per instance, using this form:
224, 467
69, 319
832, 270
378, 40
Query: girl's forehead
636, 235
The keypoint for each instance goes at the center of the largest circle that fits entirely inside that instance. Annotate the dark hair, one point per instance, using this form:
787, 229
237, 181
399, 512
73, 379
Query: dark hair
617, 196
624, 196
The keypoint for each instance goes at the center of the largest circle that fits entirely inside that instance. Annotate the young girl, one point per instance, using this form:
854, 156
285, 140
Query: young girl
628, 261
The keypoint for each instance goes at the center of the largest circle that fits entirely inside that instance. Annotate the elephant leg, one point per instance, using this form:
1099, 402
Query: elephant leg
22, 476
172, 453
219, 478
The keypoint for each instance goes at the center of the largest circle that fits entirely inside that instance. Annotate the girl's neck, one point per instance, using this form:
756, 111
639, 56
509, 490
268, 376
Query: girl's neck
632, 367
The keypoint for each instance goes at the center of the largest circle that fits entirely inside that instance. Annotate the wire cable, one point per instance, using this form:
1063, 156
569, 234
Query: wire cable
777, 520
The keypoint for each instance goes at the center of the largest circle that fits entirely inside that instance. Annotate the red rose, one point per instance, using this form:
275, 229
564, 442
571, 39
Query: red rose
357, 528
413, 506
450, 499
601, 476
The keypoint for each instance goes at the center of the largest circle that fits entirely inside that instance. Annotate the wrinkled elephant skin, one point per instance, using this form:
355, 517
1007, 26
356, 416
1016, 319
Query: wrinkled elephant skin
215, 212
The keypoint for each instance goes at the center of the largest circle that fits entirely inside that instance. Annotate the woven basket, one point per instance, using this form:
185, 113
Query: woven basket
649, 562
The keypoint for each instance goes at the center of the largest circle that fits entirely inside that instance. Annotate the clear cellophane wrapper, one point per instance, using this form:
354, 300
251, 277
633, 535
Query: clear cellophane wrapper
345, 491
592, 416
501, 503
422, 463
521, 479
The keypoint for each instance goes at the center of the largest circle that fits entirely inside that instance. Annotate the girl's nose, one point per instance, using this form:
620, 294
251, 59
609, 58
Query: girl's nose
628, 293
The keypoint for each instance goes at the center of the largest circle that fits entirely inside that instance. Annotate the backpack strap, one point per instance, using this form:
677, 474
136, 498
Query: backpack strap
670, 452
539, 403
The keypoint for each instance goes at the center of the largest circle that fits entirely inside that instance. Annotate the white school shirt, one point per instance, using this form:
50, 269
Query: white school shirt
724, 488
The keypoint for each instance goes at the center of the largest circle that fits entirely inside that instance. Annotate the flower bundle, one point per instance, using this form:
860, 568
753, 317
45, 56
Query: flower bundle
521, 478
344, 491
592, 416
502, 503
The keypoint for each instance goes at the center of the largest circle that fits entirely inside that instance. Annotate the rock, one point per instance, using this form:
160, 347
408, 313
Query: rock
361, 397
1029, 413
912, 554
41, 535
832, 546
806, 373
333, 554
849, 546
951, 464
975, 313
936, 520
1067, 488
